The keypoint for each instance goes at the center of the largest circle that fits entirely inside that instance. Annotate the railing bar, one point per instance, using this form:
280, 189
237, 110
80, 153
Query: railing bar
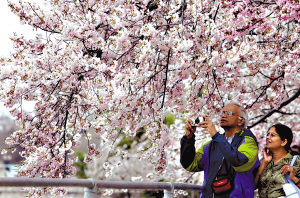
89, 183
144, 185
183, 186
40, 182
132, 185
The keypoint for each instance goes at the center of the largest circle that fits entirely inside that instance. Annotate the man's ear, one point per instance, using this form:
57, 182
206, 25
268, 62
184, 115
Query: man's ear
241, 121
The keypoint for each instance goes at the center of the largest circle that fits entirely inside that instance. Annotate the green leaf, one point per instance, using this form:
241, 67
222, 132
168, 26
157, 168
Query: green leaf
169, 119
80, 156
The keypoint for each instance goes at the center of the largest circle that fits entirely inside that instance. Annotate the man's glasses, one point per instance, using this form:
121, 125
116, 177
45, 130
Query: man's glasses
271, 134
228, 113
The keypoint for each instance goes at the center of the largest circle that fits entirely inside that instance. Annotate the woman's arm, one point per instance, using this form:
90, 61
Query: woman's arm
267, 158
260, 170
297, 181
289, 169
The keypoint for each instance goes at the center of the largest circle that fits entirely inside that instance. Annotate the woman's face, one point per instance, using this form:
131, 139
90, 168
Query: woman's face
273, 140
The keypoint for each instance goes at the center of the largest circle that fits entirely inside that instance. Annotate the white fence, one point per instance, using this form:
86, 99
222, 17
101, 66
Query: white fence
91, 185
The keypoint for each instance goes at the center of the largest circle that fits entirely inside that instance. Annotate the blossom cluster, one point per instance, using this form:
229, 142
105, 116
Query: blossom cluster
117, 66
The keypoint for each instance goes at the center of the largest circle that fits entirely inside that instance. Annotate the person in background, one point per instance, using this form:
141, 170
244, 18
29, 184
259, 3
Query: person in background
237, 148
275, 163
295, 150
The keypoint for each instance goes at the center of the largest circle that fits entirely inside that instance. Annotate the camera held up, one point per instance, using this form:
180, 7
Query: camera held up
197, 120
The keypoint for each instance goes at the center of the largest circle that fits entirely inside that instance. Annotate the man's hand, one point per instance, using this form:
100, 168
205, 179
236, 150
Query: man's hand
207, 125
189, 129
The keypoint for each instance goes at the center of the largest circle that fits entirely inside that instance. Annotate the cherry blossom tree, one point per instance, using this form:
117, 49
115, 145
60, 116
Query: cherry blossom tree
117, 66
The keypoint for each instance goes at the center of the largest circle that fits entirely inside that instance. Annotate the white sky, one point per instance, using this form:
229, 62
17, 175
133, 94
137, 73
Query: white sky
9, 24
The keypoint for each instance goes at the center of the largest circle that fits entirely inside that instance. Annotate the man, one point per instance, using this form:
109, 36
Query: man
238, 146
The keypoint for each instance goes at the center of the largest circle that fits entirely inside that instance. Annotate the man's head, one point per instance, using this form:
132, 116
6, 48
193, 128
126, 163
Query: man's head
234, 115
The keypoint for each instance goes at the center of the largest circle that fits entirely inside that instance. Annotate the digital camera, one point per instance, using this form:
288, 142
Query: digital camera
197, 120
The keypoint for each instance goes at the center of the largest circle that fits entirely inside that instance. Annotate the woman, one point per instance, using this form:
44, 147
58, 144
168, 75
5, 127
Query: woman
275, 163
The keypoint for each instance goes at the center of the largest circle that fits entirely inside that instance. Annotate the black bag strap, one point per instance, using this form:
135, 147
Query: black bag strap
224, 161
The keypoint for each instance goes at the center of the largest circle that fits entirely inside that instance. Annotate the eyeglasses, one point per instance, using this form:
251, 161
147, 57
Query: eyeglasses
271, 134
228, 113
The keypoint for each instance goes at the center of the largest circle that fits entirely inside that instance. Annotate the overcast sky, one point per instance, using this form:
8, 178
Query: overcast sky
9, 24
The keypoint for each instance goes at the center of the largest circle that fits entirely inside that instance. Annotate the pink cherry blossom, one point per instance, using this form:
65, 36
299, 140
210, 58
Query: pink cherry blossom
116, 67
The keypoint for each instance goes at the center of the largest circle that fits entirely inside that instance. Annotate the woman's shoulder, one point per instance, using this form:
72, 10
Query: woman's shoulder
296, 162
297, 159
287, 159
296, 165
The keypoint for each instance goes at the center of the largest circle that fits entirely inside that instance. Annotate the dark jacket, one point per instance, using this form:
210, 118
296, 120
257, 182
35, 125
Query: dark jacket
241, 155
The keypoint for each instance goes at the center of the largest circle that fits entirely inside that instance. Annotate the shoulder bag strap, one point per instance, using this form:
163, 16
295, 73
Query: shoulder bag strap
293, 160
288, 180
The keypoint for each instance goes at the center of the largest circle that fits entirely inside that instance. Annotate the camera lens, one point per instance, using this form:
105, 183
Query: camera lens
197, 121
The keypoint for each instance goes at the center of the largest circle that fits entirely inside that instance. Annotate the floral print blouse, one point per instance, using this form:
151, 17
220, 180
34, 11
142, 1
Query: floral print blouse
271, 179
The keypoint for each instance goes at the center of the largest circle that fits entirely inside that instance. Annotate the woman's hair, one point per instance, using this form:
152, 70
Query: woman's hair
284, 132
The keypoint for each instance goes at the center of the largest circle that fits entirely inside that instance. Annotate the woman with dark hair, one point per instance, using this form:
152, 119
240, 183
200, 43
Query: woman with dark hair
275, 163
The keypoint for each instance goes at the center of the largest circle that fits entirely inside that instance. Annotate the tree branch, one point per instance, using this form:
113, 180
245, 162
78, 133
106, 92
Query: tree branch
295, 96
216, 83
266, 87
167, 67
214, 18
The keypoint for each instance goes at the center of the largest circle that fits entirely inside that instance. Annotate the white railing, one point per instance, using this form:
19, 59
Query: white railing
90, 185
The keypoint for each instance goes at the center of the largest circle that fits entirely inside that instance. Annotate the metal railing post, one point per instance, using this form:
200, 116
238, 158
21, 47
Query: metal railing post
169, 193
90, 192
